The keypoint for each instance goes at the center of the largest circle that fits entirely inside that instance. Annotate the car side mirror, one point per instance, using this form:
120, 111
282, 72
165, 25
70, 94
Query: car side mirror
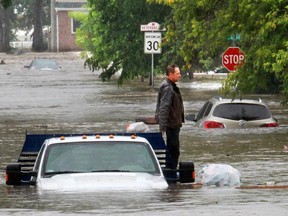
190, 117
26, 66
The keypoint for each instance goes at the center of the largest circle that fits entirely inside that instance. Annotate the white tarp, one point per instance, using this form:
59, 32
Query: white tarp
137, 127
220, 175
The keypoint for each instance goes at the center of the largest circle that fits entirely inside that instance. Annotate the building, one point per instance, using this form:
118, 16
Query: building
63, 27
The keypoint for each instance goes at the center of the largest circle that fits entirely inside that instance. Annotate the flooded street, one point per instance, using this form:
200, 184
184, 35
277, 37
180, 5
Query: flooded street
75, 100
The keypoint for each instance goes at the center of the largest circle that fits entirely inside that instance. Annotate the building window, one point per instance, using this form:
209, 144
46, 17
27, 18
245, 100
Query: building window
75, 25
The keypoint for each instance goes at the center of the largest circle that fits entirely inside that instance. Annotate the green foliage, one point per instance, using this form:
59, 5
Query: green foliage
196, 35
195, 28
24, 15
7, 22
111, 34
199, 30
264, 45
6, 3
25, 11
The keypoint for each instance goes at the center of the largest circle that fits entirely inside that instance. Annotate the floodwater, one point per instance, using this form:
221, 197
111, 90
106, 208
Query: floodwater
75, 100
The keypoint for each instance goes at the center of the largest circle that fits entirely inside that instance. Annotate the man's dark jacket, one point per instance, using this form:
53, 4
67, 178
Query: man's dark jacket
169, 109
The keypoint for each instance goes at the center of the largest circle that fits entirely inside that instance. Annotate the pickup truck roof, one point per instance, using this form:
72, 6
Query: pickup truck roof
85, 138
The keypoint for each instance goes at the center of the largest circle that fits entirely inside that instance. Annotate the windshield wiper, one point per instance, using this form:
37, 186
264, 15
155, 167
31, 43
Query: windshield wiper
110, 170
49, 174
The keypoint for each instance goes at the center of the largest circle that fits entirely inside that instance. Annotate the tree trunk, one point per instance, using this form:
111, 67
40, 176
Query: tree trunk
38, 43
4, 30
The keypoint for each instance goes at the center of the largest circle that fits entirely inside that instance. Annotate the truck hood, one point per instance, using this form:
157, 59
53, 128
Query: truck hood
102, 181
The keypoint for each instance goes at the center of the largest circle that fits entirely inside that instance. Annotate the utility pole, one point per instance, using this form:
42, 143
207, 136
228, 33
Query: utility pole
53, 27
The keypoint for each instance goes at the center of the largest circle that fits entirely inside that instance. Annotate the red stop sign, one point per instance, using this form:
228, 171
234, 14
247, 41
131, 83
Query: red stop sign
232, 58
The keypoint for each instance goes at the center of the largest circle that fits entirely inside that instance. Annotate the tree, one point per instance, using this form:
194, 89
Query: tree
33, 13
6, 20
111, 33
264, 39
38, 43
199, 29
6, 3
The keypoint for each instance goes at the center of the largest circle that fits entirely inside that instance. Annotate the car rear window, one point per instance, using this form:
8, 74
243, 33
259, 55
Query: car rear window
242, 111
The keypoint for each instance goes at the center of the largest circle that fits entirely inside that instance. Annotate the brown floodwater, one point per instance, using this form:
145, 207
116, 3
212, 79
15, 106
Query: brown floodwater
75, 100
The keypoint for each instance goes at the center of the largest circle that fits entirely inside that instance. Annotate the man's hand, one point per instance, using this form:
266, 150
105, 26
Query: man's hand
163, 131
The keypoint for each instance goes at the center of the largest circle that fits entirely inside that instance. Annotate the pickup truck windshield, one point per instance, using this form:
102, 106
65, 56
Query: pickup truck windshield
99, 157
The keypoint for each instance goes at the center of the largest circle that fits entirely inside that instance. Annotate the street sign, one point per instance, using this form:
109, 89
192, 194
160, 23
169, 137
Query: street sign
234, 37
152, 26
152, 41
232, 58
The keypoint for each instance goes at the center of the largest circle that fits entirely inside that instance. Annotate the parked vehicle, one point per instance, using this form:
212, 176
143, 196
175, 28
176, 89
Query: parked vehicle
96, 162
222, 70
43, 64
229, 113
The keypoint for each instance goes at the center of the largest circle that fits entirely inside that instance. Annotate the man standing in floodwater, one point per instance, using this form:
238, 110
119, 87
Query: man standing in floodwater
170, 112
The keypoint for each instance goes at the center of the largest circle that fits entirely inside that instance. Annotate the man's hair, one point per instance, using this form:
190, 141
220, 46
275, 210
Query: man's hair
171, 69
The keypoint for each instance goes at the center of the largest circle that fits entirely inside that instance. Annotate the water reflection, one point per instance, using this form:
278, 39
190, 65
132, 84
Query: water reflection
181, 201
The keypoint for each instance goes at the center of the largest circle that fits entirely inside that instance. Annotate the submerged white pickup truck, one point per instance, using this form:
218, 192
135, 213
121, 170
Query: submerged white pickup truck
76, 162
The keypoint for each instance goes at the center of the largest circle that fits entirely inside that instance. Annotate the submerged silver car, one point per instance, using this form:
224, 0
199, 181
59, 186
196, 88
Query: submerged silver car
229, 113
43, 64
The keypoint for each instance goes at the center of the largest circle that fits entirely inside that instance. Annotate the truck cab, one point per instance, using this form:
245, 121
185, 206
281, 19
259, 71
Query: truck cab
96, 162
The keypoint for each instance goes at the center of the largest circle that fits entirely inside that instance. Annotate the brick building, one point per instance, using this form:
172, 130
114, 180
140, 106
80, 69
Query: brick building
63, 27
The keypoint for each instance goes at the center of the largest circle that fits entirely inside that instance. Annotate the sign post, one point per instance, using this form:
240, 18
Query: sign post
232, 58
152, 41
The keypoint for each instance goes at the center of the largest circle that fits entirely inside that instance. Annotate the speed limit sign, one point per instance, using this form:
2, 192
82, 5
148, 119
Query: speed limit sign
152, 42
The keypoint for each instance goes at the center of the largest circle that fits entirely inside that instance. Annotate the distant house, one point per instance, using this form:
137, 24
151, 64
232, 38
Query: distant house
63, 27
